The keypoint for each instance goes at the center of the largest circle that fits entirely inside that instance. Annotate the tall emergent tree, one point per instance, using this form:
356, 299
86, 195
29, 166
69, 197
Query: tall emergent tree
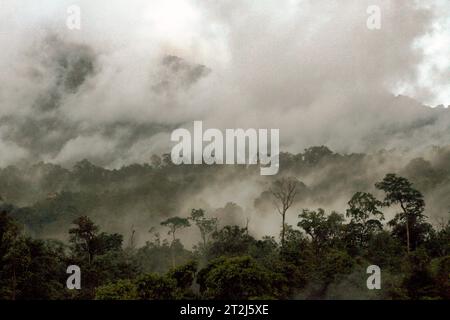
205, 225
284, 191
364, 212
88, 243
400, 191
174, 224
83, 235
323, 229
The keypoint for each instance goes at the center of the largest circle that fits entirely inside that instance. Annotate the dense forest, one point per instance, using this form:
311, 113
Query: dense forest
159, 231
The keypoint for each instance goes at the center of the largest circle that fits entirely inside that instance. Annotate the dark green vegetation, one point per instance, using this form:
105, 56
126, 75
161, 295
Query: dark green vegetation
322, 255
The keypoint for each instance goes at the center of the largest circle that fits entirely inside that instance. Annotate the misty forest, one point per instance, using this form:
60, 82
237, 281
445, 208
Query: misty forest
149, 232
364, 127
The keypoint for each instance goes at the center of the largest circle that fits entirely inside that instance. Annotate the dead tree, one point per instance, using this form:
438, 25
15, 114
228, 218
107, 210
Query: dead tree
284, 191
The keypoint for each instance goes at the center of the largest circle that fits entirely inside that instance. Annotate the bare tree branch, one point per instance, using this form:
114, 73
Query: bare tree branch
284, 192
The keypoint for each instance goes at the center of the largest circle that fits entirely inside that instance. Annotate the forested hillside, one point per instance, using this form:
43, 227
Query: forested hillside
159, 231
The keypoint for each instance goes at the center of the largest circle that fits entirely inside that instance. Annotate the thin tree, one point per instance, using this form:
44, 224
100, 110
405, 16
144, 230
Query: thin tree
132, 243
284, 191
205, 225
174, 224
400, 191
83, 236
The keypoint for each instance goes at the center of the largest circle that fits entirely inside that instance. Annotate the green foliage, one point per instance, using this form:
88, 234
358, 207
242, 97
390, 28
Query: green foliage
175, 284
419, 283
120, 290
324, 256
156, 287
409, 224
366, 221
384, 251
184, 275
156, 256
88, 243
364, 206
205, 225
174, 224
230, 241
324, 230
439, 241
441, 274
234, 278
29, 269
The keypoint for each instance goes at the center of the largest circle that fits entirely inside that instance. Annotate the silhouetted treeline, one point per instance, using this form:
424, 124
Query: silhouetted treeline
324, 256
47, 197
321, 255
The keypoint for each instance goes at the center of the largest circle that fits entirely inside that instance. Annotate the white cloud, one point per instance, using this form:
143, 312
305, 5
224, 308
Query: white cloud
312, 69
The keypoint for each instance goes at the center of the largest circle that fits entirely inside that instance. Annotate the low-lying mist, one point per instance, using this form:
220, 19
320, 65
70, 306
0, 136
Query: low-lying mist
137, 198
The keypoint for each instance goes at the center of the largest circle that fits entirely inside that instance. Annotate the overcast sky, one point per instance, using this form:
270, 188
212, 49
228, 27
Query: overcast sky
311, 68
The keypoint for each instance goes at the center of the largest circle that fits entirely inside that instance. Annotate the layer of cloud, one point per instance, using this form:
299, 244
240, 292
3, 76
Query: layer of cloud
112, 91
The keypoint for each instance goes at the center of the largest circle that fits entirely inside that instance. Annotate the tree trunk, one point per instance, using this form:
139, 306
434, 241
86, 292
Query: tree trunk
88, 248
172, 250
283, 229
407, 234
204, 239
173, 258
407, 226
